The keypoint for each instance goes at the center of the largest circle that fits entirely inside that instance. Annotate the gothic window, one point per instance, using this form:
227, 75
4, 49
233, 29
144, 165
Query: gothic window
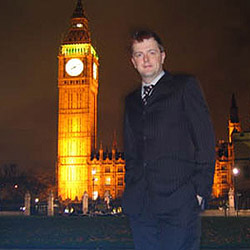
120, 169
107, 181
224, 167
120, 181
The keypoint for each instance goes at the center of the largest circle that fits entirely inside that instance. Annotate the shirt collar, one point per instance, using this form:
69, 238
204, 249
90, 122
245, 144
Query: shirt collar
155, 80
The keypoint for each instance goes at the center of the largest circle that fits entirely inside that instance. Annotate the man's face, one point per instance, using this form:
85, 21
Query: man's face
147, 59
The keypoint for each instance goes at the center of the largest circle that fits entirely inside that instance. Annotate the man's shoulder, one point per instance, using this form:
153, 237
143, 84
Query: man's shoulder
184, 78
184, 81
175, 81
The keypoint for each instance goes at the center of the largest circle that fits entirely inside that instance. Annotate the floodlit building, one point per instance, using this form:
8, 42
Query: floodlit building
79, 167
225, 155
233, 161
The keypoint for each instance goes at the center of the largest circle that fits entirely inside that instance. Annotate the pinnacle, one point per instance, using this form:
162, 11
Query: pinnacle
79, 12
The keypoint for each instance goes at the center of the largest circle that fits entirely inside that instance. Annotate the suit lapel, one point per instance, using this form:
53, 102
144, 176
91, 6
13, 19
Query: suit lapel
137, 100
162, 87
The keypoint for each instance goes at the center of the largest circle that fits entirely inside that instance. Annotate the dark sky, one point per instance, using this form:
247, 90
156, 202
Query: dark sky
207, 38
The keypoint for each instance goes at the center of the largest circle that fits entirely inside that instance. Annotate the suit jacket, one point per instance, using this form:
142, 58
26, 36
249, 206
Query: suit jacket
169, 148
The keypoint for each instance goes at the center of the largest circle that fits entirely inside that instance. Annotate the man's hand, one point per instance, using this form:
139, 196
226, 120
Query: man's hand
199, 198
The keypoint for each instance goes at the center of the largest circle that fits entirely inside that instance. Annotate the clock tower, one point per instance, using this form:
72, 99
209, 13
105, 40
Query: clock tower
77, 109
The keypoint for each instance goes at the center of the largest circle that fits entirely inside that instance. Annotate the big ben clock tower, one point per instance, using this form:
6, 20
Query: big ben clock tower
77, 112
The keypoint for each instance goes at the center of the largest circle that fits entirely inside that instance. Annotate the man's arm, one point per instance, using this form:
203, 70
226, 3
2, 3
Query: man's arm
203, 138
129, 148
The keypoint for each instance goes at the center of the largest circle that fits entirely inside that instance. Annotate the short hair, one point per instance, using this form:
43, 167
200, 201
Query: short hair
140, 35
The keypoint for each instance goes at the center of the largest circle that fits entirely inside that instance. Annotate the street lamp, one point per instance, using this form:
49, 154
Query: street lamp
236, 172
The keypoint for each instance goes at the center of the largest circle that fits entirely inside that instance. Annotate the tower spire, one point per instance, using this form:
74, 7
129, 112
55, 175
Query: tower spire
234, 122
79, 12
114, 143
234, 117
79, 30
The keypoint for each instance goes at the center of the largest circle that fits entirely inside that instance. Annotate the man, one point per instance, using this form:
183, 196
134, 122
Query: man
169, 152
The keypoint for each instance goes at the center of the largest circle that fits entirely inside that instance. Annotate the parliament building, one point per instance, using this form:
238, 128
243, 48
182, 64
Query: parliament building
81, 167
232, 167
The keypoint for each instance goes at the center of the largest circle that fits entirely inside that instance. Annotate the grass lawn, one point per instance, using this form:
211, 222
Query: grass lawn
107, 232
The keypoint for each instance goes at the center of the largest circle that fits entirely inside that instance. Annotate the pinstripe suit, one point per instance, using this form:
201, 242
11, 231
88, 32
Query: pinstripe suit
169, 153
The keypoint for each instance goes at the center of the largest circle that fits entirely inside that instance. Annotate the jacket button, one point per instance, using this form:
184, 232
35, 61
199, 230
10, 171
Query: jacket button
144, 112
144, 137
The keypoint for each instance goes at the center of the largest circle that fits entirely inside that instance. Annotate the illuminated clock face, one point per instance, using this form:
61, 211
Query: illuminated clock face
79, 25
74, 67
94, 71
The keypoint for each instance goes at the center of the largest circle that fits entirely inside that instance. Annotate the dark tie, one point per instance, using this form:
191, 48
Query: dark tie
146, 93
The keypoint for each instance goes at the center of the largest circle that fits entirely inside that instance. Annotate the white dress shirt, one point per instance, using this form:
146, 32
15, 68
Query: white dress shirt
156, 79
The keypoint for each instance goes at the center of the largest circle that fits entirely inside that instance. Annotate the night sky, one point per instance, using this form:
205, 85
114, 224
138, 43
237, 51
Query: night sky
206, 38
